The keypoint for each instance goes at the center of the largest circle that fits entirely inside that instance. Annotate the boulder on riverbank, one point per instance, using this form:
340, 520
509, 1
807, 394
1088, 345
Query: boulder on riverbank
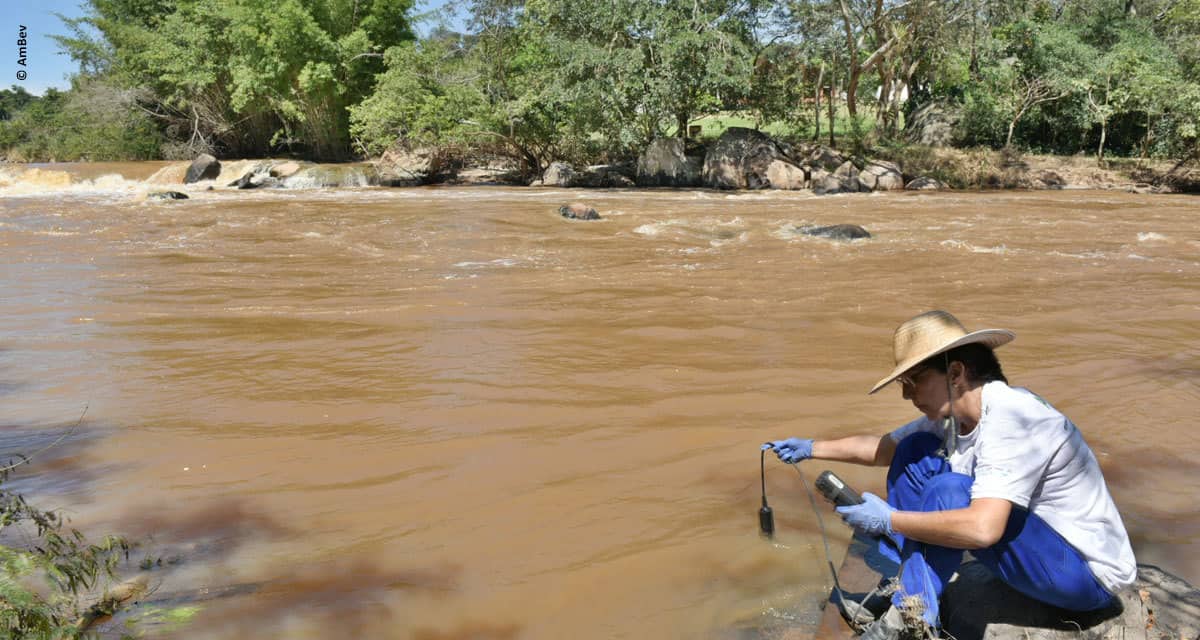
410, 167
932, 125
847, 175
881, 175
488, 176
1046, 179
204, 167
826, 158
825, 183
606, 176
665, 163
597, 176
785, 175
740, 159
558, 174
925, 183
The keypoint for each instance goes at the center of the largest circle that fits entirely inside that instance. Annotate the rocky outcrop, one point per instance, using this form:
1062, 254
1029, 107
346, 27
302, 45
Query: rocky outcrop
739, 160
836, 232
204, 167
604, 176
925, 183
785, 175
1046, 179
285, 169
847, 174
491, 170
337, 175
258, 177
562, 174
825, 183
1159, 606
881, 175
488, 176
826, 158
405, 167
665, 164
933, 125
1187, 181
558, 174
578, 211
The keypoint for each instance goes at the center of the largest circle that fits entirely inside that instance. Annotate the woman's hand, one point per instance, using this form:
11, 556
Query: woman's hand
792, 450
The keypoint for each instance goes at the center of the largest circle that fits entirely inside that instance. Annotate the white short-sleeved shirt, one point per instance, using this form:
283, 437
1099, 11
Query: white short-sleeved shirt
1025, 451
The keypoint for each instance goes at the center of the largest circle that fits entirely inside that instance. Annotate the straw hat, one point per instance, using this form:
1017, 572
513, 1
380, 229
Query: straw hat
931, 333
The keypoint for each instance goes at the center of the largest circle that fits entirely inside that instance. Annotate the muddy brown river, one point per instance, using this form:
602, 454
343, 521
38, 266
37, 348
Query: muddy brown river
450, 413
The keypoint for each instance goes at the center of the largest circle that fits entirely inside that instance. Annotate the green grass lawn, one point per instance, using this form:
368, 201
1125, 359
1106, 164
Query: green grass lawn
712, 126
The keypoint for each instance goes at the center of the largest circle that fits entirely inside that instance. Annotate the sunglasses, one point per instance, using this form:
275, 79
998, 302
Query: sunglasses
911, 379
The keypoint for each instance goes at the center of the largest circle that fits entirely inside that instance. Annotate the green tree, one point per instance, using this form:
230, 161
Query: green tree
646, 65
1134, 81
14, 100
246, 76
96, 120
427, 96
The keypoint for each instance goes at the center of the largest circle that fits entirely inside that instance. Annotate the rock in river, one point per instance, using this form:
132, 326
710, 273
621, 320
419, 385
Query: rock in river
204, 167
578, 211
836, 232
166, 195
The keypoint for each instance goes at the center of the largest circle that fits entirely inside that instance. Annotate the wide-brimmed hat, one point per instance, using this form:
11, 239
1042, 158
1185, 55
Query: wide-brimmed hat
931, 333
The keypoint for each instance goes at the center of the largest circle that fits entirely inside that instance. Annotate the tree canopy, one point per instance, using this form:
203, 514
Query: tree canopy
556, 79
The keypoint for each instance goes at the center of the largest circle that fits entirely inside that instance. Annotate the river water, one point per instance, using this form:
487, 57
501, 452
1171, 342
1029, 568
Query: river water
451, 413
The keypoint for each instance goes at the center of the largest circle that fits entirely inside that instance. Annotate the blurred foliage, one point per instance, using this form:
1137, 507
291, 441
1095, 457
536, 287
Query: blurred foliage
42, 583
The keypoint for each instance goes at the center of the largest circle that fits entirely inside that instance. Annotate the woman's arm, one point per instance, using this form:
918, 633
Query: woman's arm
866, 449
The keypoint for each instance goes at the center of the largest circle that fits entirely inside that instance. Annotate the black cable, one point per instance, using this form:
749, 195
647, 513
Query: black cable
824, 537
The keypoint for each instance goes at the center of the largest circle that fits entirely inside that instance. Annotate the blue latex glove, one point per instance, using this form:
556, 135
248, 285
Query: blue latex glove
792, 450
873, 516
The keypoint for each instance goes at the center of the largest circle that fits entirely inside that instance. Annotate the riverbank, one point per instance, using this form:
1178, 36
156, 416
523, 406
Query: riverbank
764, 164
748, 159
995, 169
